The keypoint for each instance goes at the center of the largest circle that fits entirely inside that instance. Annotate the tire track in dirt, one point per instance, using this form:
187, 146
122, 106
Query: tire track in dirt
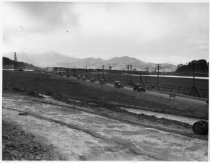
76, 127
132, 144
66, 107
120, 143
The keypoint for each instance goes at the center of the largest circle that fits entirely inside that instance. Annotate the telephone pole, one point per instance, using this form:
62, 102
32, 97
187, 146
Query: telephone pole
146, 69
110, 67
140, 79
193, 74
130, 71
146, 72
127, 66
103, 70
15, 60
194, 91
158, 68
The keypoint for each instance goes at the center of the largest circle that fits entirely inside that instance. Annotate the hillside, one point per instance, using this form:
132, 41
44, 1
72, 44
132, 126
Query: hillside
51, 59
9, 64
42, 59
117, 63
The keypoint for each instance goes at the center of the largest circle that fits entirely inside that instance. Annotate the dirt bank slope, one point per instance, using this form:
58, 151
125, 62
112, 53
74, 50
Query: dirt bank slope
79, 135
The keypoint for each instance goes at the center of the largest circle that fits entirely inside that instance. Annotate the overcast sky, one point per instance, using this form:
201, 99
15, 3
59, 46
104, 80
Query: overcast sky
173, 33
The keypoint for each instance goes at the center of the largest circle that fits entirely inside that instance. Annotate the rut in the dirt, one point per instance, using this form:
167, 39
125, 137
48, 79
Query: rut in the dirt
120, 143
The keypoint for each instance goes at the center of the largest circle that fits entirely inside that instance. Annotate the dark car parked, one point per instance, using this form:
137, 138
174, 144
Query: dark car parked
118, 84
78, 77
139, 88
84, 77
102, 81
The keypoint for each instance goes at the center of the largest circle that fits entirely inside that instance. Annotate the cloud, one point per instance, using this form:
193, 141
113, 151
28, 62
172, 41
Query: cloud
147, 31
41, 16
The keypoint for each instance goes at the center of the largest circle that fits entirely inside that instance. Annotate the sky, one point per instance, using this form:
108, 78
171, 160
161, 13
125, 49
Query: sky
152, 32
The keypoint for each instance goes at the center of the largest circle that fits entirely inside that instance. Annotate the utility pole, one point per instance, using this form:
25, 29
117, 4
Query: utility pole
74, 70
127, 71
86, 69
15, 60
98, 73
130, 71
158, 67
193, 74
110, 67
146, 72
194, 90
103, 70
140, 80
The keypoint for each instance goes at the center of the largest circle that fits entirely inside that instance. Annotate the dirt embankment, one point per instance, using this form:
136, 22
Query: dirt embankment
111, 111
19, 145
79, 133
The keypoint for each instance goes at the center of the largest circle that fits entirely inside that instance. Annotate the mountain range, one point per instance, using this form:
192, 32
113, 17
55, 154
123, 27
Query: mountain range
52, 59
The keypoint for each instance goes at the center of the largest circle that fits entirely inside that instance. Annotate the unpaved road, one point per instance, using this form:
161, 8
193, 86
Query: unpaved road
79, 135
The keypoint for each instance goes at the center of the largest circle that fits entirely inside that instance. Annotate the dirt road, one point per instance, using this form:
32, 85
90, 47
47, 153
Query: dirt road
80, 135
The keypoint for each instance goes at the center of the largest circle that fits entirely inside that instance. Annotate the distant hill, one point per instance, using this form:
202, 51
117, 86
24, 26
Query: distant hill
200, 66
9, 64
51, 59
41, 59
117, 63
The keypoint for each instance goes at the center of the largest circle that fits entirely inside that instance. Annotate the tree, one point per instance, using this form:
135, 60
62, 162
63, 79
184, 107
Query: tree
201, 66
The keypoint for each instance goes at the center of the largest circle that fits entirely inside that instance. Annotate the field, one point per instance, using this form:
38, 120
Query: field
86, 121
166, 84
181, 86
60, 86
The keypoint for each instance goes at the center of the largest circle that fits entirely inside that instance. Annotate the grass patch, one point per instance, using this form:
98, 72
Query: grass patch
60, 87
18, 145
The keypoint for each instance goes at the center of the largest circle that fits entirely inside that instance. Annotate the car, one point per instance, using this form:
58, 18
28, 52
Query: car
60, 73
74, 75
78, 77
118, 84
102, 81
84, 77
139, 88
150, 86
